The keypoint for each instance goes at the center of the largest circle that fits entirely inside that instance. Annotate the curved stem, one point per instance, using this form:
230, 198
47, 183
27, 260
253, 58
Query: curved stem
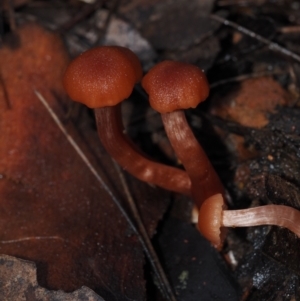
205, 181
123, 150
277, 215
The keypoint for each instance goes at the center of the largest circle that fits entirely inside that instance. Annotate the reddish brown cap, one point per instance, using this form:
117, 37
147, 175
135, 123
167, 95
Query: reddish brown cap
210, 219
175, 85
102, 76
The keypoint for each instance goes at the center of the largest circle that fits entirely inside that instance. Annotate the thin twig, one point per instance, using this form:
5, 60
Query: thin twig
30, 238
6, 97
11, 15
107, 20
112, 11
289, 29
243, 77
272, 46
152, 261
239, 2
159, 270
85, 12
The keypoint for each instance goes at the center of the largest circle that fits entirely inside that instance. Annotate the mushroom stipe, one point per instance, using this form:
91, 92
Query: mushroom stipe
103, 77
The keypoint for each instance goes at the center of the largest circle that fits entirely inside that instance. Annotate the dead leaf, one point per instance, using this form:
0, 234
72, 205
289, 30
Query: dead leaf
53, 211
18, 280
251, 102
164, 21
196, 269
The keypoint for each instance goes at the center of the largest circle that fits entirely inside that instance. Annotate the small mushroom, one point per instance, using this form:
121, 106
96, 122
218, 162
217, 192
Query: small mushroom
172, 87
102, 78
214, 218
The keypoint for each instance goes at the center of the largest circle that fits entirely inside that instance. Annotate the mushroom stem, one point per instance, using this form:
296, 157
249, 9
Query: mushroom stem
214, 218
172, 87
126, 153
205, 181
102, 78
277, 215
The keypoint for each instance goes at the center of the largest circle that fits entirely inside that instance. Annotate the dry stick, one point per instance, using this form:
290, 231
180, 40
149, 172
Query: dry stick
107, 21
143, 231
272, 46
289, 29
6, 97
153, 261
244, 77
30, 238
236, 2
11, 15
81, 15
111, 12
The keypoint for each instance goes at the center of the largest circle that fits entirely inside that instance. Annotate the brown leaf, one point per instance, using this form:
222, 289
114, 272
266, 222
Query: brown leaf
250, 103
53, 211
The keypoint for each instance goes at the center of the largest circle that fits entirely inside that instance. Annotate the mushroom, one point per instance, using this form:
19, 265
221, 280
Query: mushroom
102, 78
173, 86
214, 218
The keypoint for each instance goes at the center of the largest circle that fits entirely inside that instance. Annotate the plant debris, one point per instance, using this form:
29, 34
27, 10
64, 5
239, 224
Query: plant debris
18, 280
55, 213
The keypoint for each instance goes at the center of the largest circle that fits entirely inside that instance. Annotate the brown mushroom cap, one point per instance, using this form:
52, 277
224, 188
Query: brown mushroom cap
102, 76
175, 85
210, 219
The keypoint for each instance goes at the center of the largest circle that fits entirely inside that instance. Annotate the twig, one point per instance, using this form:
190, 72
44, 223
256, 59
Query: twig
159, 270
148, 253
244, 77
11, 14
87, 10
30, 238
289, 29
107, 20
239, 2
6, 97
272, 46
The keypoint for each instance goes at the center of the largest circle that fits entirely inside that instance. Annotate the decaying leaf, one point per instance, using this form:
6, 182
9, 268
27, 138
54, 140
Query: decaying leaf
182, 32
53, 211
18, 280
251, 102
194, 266
164, 21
